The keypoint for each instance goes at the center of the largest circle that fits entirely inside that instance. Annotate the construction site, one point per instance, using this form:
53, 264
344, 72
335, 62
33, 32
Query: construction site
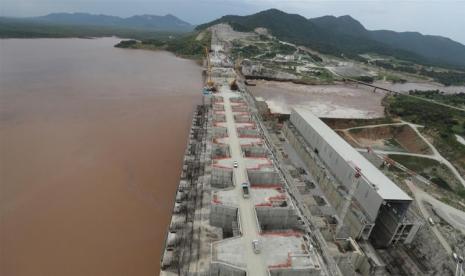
287, 195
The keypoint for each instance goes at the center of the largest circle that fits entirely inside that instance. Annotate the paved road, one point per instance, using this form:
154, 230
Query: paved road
331, 268
373, 126
435, 155
248, 221
453, 216
420, 195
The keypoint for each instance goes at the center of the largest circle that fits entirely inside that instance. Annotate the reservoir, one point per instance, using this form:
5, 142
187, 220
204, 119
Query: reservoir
91, 146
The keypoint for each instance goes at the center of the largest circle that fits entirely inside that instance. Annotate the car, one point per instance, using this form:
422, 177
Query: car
455, 256
245, 190
235, 164
256, 246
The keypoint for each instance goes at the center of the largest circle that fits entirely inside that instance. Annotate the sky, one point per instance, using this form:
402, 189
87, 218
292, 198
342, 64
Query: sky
446, 17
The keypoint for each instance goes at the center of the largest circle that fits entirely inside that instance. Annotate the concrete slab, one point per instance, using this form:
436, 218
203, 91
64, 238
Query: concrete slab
250, 163
287, 250
226, 197
229, 251
270, 196
242, 141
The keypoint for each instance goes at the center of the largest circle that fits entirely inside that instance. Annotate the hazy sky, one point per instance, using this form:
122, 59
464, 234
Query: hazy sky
446, 17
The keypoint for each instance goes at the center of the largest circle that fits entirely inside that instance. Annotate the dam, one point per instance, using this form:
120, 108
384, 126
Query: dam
243, 207
216, 229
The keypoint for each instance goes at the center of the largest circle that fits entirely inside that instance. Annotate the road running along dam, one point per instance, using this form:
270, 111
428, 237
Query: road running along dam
215, 228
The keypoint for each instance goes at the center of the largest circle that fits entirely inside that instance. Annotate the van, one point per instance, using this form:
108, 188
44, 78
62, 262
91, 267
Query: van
245, 190
256, 246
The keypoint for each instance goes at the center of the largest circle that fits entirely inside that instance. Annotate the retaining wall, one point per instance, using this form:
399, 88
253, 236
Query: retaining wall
223, 216
220, 269
221, 178
254, 151
220, 151
219, 132
277, 218
263, 177
247, 132
295, 272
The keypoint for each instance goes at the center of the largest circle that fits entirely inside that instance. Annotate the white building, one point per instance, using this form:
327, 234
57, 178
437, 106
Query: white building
380, 206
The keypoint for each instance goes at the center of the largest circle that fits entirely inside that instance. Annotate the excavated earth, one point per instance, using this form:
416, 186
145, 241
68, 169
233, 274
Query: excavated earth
394, 138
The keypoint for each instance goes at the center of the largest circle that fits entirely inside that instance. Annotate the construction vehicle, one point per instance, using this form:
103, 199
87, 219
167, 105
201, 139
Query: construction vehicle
210, 85
256, 246
233, 85
245, 190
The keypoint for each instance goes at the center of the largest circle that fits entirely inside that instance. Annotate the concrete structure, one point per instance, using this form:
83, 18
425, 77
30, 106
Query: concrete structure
349, 257
214, 225
284, 251
269, 208
379, 208
254, 151
221, 178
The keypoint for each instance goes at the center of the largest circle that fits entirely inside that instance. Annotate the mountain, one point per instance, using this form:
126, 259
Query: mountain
345, 35
153, 22
437, 48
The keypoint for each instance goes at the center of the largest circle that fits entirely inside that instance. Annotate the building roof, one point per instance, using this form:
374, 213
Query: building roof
386, 189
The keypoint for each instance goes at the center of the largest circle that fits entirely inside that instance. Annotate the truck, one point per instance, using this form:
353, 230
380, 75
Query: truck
256, 246
245, 190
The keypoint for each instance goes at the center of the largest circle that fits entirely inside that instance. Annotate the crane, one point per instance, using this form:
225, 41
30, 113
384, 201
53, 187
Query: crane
210, 83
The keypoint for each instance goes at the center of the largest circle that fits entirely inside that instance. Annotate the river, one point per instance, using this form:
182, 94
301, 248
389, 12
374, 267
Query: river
424, 86
91, 145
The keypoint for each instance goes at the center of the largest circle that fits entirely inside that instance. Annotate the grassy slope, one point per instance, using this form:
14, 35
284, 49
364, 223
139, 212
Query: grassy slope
187, 46
12, 28
441, 124
334, 39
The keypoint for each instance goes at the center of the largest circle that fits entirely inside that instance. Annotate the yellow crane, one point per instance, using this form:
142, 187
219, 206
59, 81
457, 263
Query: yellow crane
210, 83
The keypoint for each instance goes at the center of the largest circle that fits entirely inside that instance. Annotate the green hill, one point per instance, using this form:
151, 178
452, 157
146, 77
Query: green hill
153, 22
84, 24
345, 35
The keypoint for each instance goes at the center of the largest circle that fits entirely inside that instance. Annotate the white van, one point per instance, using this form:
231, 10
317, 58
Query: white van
256, 246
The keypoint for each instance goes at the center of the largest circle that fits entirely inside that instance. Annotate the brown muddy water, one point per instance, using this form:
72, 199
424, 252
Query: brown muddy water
91, 146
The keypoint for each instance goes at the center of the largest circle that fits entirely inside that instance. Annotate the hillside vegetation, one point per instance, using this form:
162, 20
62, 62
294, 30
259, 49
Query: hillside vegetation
12, 28
187, 46
150, 22
346, 36
441, 123
457, 99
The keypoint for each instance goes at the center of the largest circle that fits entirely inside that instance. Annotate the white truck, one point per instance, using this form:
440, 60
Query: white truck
256, 246
245, 190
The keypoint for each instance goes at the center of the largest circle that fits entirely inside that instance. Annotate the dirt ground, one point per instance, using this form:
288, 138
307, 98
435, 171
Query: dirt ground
395, 138
331, 101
